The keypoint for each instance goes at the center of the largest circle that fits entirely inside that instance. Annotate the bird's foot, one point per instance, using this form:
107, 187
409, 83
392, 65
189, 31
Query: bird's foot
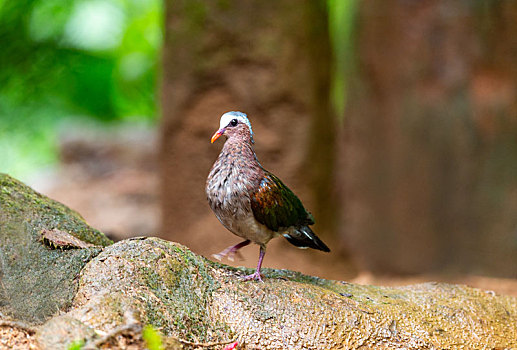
231, 252
254, 276
229, 255
218, 256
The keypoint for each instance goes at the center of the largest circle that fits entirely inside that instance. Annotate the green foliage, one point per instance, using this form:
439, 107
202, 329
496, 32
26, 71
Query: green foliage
95, 59
152, 338
98, 57
78, 345
341, 20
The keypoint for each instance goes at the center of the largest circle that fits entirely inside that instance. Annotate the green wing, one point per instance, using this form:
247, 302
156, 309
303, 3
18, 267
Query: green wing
276, 206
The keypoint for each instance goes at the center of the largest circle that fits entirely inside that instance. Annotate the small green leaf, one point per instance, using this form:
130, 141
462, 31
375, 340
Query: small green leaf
153, 338
76, 345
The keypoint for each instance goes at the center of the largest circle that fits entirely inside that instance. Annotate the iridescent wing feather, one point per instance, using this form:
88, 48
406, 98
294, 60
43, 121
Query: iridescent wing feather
276, 206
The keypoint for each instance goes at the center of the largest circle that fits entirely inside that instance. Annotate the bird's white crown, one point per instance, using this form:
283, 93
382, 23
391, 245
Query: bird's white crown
227, 117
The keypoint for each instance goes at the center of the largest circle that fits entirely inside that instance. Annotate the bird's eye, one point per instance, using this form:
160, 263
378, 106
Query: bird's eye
233, 122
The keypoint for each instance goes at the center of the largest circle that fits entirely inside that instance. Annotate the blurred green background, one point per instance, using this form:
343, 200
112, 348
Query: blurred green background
91, 61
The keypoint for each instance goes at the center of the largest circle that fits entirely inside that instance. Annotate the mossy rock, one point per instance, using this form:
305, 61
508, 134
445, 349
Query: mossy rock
65, 277
188, 297
39, 276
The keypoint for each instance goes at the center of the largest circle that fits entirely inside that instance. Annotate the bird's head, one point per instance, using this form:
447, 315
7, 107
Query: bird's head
234, 123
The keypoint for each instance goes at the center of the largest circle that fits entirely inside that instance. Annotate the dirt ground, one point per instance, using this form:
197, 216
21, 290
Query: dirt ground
18, 338
12, 338
111, 178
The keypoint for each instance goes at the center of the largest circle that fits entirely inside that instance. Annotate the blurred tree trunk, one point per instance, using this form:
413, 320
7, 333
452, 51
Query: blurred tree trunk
268, 59
431, 137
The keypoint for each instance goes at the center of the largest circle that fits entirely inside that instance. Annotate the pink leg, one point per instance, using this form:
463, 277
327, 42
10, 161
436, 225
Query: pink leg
256, 275
231, 251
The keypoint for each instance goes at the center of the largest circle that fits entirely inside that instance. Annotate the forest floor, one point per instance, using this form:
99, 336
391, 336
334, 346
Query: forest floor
14, 338
111, 178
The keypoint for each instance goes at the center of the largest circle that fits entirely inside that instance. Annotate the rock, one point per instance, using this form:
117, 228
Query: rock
190, 298
38, 278
108, 293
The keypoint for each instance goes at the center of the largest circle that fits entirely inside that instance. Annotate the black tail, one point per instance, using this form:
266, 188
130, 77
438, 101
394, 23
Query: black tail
303, 237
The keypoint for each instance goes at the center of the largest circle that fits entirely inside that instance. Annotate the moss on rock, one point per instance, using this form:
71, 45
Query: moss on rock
188, 297
161, 283
38, 280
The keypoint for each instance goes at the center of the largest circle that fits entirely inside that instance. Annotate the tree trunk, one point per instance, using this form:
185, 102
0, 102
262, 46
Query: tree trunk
268, 59
431, 137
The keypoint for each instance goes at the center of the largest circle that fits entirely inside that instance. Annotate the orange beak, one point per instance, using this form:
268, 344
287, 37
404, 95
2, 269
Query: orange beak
216, 135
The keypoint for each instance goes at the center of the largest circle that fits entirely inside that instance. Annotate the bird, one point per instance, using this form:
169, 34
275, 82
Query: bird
250, 201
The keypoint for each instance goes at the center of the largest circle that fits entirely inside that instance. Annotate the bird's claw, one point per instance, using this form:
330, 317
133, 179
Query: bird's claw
254, 276
218, 256
230, 255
